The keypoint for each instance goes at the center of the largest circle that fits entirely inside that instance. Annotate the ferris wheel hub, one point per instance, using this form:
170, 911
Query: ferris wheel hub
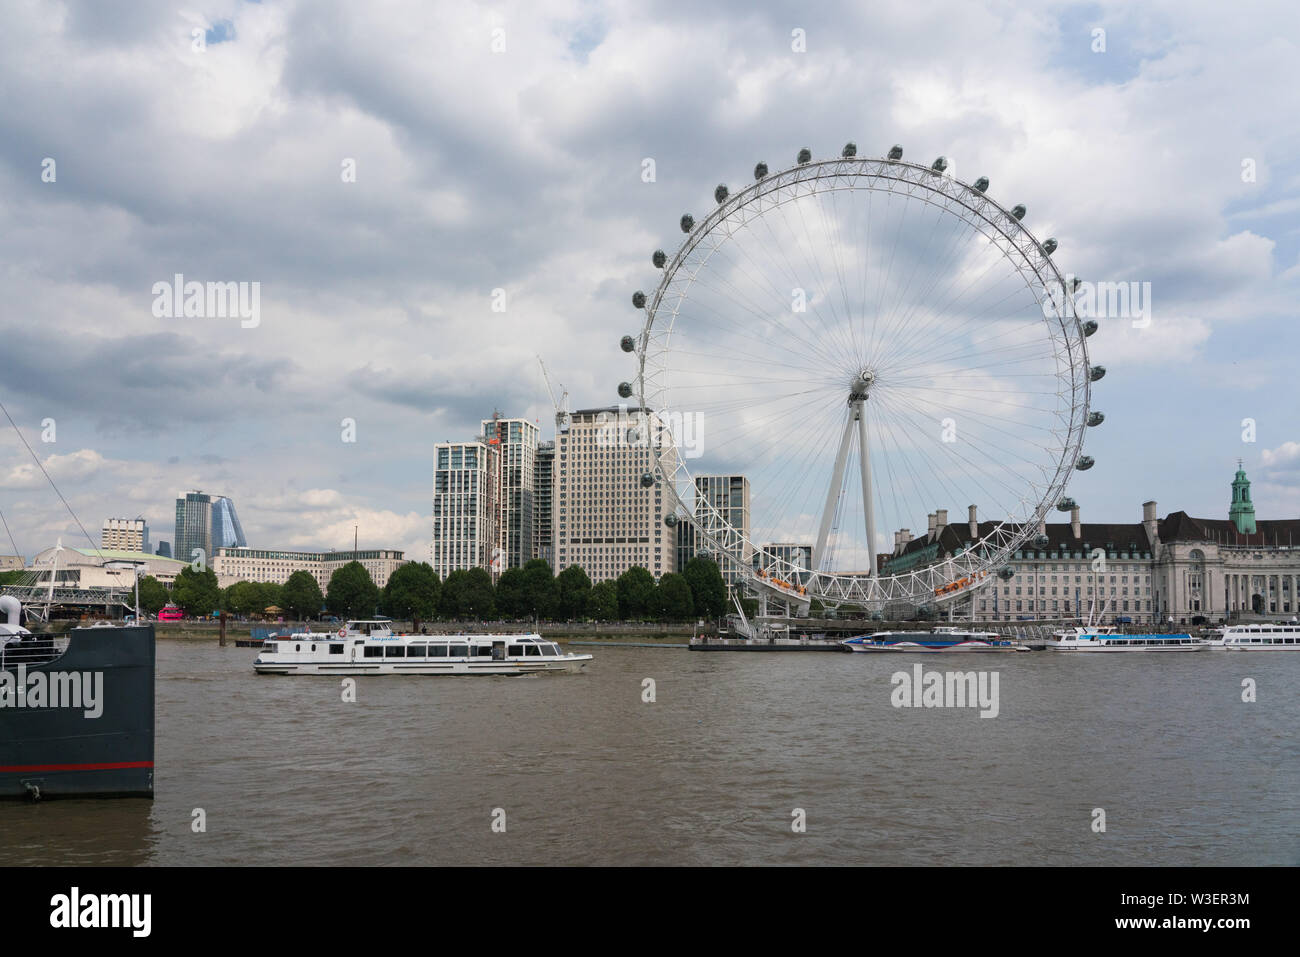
861, 385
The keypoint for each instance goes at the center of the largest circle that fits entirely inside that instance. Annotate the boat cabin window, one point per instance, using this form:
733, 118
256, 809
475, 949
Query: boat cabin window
336, 649
394, 651
483, 651
516, 651
417, 651
268, 646
374, 651
437, 651
458, 651
533, 651
550, 651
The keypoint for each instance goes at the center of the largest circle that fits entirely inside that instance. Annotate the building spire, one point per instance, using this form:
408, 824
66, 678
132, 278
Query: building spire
1242, 510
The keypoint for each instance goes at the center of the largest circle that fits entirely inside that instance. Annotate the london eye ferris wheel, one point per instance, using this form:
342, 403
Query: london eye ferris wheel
867, 341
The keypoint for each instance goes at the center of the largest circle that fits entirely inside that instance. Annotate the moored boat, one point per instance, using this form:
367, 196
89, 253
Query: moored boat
1108, 639
945, 640
371, 647
76, 710
1262, 637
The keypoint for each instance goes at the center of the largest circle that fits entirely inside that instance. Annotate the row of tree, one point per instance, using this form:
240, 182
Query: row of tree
414, 592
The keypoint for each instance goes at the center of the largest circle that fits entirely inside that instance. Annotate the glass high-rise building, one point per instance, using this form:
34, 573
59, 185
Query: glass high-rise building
544, 503
193, 527
516, 443
466, 513
722, 511
226, 530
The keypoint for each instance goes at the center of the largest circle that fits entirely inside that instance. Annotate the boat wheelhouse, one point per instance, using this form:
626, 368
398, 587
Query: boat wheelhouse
371, 647
945, 639
1262, 637
1108, 639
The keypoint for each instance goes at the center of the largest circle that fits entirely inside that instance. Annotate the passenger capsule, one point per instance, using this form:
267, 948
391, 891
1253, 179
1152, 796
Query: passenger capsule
1019, 212
1075, 283
981, 184
1049, 246
659, 258
627, 343
850, 150
633, 436
647, 480
638, 299
720, 193
940, 164
625, 389
671, 519
1096, 372
760, 171
805, 156
895, 152
688, 222
1065, 504
1042, 541
1090, 327
1085, 462
1096, 418
1006, 573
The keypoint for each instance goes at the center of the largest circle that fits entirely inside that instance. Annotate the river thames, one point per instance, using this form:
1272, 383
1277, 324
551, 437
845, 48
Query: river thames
581, 770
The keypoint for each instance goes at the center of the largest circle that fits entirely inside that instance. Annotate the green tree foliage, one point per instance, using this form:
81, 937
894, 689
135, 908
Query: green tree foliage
352, 593
153, 595
573, 590
511, 594
301, 597
673, 600
541, 594
708, 591
467, 594
636, 592
602, 603
196, 592
411, 593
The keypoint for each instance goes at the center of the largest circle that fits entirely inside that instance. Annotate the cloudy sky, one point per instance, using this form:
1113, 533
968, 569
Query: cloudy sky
501, 146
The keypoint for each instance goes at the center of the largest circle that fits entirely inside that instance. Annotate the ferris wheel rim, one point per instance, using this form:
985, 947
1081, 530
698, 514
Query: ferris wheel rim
1026, 254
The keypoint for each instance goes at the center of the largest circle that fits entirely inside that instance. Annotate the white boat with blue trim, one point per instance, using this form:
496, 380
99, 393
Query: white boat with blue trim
1109, 639
371, 647
945, 640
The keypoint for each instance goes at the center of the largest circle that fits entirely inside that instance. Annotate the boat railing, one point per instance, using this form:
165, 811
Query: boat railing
31, 650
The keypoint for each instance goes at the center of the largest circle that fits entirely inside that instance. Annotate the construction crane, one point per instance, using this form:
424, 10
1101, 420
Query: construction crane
562, 416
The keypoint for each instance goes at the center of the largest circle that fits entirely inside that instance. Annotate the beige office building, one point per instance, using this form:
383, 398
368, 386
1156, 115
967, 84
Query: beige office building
266, 565
125, 534
607, 519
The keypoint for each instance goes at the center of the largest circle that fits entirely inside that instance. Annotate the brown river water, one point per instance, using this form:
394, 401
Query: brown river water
582, 770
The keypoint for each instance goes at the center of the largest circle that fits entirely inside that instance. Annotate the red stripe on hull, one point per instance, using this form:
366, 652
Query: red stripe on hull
115, 766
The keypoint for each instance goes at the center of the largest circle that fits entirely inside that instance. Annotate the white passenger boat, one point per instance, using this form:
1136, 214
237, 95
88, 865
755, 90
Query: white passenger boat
1262, 637
1108, 639
373, 648
946, 640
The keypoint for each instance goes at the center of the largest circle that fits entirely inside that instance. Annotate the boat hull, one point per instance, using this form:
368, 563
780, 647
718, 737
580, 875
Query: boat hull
51, 749
912, 647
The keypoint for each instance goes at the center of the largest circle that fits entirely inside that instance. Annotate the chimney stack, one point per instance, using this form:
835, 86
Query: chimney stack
940, 519
974, 523
1075, 527
1151, 524
930, 531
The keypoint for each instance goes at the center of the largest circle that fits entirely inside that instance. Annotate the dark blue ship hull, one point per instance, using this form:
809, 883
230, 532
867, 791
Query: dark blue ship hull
83, 725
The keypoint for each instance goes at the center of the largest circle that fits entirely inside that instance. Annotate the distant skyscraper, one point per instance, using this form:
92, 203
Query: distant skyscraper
516, 445
193, 526
164, 549
466, 514
544, 503
125, 534
722, 501
226, 530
